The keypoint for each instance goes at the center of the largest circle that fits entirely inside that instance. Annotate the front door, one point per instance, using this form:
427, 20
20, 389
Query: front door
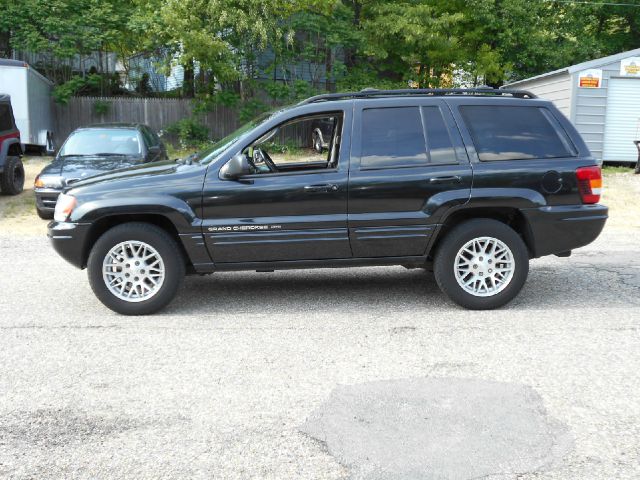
408, 166
293, 205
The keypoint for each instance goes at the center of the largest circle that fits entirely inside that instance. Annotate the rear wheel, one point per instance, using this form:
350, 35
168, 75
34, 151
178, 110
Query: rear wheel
135, 268
481, 264
12, 178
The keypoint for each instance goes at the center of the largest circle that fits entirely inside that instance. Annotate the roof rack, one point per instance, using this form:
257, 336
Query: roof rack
432, 92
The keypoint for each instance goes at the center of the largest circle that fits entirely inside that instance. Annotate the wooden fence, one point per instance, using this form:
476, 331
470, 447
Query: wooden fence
158, 113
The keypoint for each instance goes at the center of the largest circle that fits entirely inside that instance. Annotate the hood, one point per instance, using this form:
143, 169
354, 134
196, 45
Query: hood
136, 172
80, 167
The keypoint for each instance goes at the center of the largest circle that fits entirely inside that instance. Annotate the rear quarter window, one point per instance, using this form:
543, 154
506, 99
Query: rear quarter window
6, 118
515, 132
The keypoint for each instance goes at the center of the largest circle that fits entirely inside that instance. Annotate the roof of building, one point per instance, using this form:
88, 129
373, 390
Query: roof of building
7, 62
12, 63
598, 62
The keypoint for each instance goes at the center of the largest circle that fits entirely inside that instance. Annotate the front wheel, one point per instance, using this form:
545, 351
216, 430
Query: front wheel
135, 268
481, 264
12, 179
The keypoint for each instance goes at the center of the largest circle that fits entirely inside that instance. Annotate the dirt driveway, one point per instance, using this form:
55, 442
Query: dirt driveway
18, 213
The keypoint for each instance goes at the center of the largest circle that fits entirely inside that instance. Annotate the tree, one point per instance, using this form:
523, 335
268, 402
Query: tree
65, 29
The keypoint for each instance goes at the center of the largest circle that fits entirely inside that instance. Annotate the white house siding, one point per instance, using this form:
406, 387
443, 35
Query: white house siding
556, 88
590, 109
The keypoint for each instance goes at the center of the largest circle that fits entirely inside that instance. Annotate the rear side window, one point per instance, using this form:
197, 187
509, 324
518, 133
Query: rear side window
6, 120
515, 133
392, 137
438, 140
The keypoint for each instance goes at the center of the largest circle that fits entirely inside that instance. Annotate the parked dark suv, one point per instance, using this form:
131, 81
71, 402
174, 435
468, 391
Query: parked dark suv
11, 168
470, 183
92, 150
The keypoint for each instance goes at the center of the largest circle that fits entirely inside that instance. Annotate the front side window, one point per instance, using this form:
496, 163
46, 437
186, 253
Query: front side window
103, 141
391, 138
306, 143
515, 133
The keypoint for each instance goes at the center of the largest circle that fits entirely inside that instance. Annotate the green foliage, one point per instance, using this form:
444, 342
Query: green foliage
62, 93
190, 132
362, 77
281, 92
101, 107
289, 147
278, 91
251, 109
311, 45
208, 101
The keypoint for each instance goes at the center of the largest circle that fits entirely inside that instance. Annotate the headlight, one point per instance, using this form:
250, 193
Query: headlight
47, 181
64, 207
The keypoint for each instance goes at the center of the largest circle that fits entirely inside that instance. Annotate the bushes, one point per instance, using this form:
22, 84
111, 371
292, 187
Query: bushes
190, 132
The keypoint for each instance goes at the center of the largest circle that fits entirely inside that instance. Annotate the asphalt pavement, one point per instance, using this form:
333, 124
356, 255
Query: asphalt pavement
323, 374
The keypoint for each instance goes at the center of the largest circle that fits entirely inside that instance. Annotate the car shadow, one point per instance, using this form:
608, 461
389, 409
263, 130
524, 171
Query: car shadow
555, 284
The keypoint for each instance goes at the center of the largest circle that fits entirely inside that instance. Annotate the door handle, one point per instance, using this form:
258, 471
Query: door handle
447, 179
321, 188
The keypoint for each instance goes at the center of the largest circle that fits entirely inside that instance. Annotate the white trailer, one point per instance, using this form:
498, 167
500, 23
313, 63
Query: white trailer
31, 101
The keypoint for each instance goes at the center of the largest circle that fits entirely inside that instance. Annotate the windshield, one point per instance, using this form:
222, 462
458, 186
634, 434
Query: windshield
218, 147
109, 141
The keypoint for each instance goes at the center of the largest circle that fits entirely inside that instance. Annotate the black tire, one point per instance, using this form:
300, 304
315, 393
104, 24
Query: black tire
44, 214
12, 178
444, 263
162, 242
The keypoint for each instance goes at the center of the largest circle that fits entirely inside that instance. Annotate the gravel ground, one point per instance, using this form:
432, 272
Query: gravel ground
268, 375
220, 384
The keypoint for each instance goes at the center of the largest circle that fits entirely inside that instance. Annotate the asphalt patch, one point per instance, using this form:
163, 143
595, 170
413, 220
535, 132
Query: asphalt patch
438, 428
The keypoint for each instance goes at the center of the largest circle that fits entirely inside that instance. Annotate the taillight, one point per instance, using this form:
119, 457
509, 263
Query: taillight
589, 183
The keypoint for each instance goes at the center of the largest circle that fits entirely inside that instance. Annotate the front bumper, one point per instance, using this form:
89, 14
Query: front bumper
46, 198
557, 229
70, 241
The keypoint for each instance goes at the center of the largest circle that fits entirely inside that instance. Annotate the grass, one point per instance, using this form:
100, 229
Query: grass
19, 205
173, 152
611, 169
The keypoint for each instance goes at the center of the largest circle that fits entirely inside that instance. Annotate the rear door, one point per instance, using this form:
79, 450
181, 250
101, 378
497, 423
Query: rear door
408, 166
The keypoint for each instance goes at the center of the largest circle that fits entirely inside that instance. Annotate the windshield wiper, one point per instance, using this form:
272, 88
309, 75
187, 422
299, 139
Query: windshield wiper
110, 154
95, 155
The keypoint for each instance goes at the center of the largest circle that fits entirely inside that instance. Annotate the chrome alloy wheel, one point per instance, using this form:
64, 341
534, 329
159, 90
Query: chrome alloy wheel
484, 266
133, 271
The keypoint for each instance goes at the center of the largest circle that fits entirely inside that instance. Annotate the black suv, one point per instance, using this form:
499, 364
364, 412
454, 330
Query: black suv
469, 183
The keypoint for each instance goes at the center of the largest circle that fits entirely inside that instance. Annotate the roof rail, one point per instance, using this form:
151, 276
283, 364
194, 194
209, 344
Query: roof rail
433, 92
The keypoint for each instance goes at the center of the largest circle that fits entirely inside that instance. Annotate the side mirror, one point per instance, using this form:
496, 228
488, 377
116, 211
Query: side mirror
154, 149
235, 168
